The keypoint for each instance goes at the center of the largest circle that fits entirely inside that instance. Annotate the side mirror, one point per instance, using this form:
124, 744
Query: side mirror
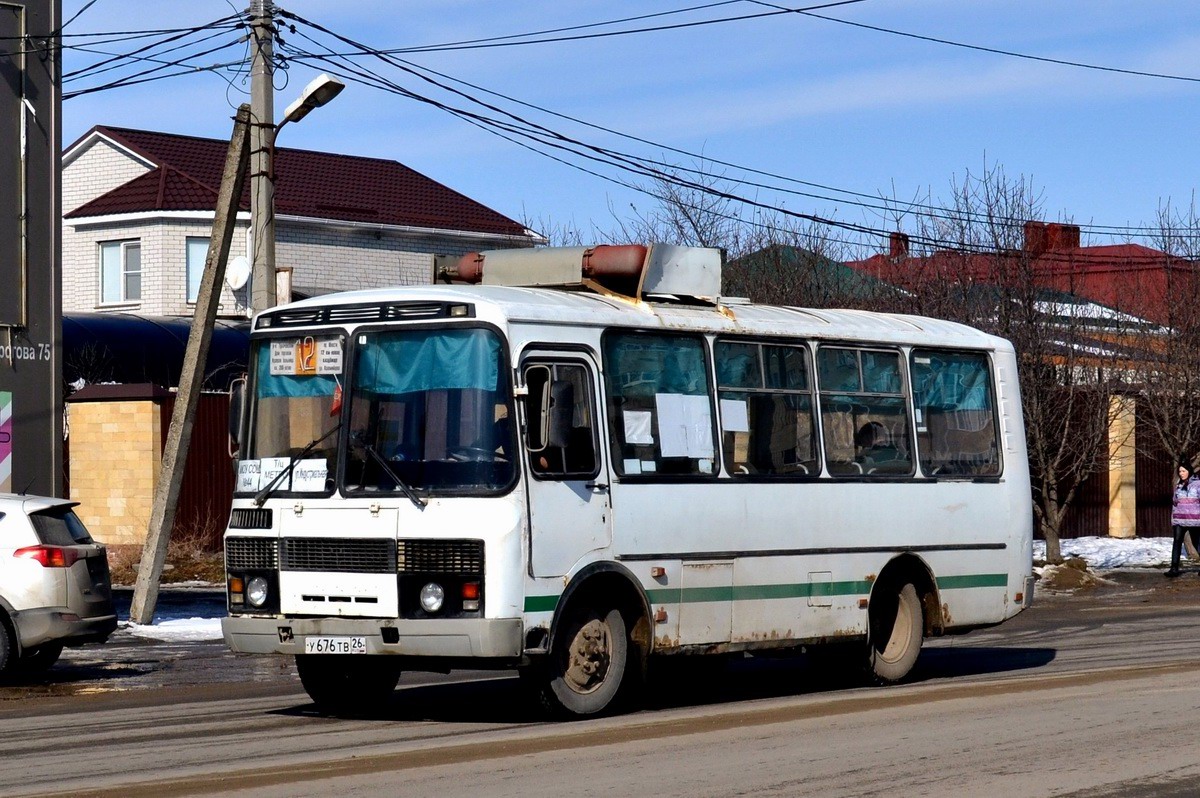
237, 414
537, 407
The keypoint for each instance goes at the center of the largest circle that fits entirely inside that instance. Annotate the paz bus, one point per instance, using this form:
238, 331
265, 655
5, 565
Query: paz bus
567, 461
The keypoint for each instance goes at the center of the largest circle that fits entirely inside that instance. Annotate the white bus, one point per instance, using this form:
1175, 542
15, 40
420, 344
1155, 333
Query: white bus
591, 459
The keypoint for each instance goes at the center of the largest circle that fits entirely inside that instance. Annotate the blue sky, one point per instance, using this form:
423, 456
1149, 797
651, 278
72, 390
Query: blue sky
789, 94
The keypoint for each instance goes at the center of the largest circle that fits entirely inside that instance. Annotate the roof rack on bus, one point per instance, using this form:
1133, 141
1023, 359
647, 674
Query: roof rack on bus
632, 271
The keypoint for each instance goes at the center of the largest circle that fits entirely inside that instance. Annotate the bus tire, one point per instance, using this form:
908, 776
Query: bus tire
587, 664
896, 628
347, 685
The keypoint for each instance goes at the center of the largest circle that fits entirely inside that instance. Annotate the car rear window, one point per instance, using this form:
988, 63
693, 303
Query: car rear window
59, 526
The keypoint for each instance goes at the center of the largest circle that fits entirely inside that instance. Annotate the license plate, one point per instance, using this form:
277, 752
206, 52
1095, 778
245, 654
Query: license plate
335, 645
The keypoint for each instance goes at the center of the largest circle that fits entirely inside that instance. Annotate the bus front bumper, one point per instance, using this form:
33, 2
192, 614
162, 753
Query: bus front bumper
459, 637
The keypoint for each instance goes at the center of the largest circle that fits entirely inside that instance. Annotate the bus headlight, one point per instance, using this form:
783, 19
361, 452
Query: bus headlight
432, 597
256, 591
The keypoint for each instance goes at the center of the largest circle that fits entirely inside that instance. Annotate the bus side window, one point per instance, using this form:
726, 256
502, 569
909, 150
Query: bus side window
567, 447
660, 404
956, 418
864, 412
766, 409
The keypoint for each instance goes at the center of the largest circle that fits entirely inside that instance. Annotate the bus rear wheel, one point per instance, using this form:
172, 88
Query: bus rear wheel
347, 684
587, 664
897, 627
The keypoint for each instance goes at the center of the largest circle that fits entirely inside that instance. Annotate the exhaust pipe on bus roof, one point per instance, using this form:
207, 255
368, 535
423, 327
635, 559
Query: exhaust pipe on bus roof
627, 270
550, 266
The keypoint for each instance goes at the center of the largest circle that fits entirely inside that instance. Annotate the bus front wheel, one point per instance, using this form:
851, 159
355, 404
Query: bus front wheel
347, 684
897, 627
587, 663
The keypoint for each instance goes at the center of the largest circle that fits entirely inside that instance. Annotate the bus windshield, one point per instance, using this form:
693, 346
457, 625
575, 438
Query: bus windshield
296, 404
429, 409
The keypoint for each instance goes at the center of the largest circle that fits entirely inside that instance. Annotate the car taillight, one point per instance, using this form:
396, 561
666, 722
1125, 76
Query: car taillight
50, 556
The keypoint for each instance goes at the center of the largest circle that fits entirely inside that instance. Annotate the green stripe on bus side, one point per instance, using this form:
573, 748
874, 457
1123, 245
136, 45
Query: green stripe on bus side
972, 580
697, 595
540, 603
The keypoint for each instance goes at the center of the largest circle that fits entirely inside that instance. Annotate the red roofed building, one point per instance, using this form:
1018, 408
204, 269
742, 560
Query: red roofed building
1130, 278
138, 209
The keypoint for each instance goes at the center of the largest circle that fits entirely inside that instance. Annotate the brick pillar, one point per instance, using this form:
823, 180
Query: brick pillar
116, 448
1122, 459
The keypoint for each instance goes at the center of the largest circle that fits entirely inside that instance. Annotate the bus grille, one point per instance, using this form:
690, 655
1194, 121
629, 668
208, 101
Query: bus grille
440, 556
347, 314
360, 556
242, 518
251, 554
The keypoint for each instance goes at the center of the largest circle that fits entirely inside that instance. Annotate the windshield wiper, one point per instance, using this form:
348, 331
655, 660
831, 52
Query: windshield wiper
265, 493
418, 501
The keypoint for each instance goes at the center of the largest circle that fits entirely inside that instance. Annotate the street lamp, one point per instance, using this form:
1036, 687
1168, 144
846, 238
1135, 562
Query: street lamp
319, 91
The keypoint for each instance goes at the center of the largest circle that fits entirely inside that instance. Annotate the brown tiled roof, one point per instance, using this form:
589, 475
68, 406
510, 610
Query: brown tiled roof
319, 185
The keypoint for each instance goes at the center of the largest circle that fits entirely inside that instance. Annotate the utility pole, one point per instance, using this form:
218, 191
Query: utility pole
262, 148
179, 434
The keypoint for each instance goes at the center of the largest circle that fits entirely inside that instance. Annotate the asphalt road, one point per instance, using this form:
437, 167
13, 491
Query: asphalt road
1092, 694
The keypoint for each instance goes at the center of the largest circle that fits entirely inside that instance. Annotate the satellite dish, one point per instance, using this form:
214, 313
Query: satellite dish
237, 273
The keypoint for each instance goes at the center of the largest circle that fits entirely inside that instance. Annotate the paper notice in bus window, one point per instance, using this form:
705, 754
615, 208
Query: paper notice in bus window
633, 466
271, 466
637, 427
684, 425
283, 358
309, 476
247, 475
329, 357
734, 417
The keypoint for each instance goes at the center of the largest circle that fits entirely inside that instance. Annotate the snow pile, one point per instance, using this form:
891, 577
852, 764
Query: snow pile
179, 631
1102, 553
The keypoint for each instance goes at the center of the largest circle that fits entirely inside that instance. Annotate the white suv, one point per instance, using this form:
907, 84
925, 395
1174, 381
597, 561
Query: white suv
54, 583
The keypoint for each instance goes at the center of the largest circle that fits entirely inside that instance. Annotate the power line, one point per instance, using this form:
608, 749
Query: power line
182, 34
876, 204
981, 48
76, 15
514, 41
509, 132
558, 141
548, 31
538, 137
121, 60
149, 76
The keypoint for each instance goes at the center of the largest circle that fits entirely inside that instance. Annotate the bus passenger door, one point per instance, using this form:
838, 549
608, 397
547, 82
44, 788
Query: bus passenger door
569, 509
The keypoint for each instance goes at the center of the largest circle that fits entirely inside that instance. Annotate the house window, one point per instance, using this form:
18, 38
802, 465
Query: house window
197, 252
120, 271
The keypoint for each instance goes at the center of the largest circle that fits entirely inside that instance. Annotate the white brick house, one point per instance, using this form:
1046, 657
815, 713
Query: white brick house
138, 211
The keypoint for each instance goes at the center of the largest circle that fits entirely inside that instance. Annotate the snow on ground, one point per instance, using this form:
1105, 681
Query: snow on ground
179, 631
1102, 553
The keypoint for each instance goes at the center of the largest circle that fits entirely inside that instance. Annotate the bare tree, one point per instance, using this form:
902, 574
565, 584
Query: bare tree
992, 271
559, 233
796, 262
691, 206
1170, 367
